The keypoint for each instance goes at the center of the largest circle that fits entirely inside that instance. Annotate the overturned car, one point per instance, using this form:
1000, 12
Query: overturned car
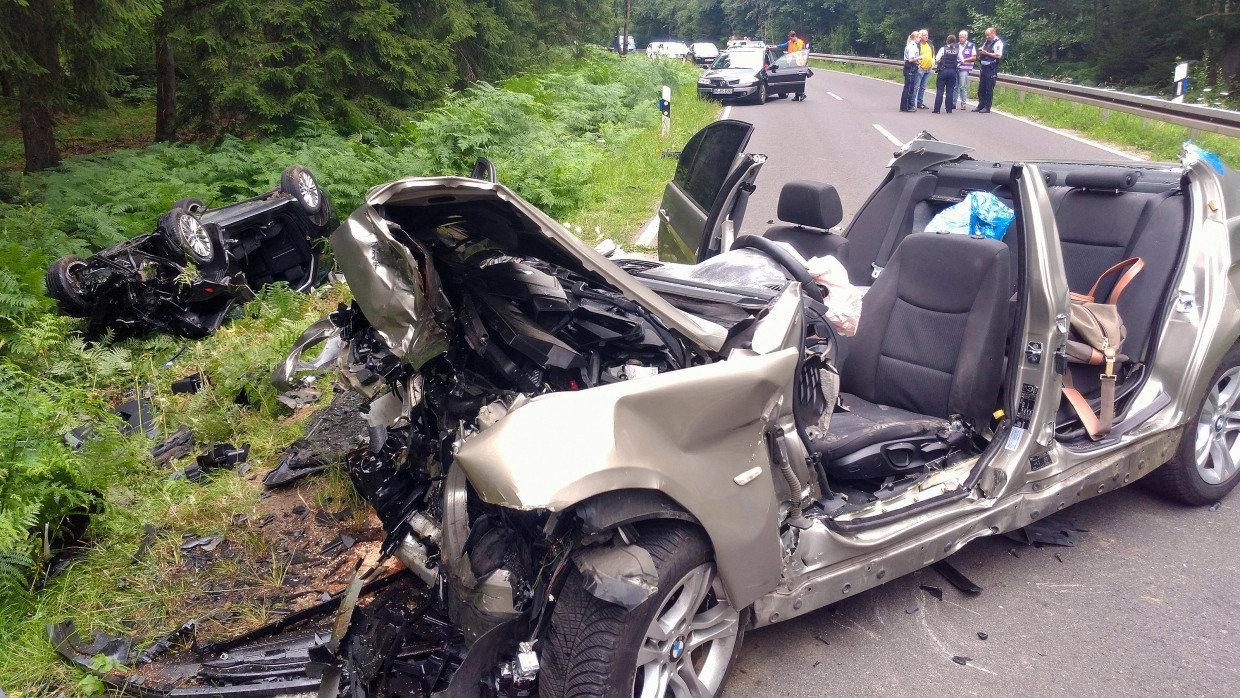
609, 470
185, 275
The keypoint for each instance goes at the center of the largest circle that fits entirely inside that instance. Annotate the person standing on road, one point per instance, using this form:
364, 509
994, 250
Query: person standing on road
968, 53
989, 56
948, 62
792, 45
912, 58
924, 66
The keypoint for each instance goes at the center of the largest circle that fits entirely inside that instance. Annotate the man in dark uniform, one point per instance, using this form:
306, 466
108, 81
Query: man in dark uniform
988, 56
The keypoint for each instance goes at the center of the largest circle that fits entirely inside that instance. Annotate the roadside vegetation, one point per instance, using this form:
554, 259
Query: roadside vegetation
1154, 139
579, 138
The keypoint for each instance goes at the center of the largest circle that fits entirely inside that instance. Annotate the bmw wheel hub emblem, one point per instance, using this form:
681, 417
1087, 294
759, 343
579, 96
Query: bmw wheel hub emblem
678, 648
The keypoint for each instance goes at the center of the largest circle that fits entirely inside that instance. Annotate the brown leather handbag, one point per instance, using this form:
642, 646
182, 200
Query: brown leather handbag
1096, 337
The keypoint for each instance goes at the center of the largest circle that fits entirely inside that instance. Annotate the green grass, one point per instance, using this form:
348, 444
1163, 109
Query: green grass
1154, 139
586, 148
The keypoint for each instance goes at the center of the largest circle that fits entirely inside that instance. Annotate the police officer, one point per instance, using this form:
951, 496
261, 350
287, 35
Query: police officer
948, 61
912, 57
988, 56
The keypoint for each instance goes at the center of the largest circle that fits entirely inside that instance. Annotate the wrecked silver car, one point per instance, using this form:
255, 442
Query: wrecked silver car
606, 471
184, 276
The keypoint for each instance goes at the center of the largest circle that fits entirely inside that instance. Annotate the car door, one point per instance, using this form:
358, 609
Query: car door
709, 168
787, 73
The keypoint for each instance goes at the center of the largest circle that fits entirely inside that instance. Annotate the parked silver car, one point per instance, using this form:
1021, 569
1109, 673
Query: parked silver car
609, 470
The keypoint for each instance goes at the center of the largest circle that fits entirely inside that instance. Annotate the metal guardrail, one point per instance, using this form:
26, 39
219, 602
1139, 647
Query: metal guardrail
1194, 116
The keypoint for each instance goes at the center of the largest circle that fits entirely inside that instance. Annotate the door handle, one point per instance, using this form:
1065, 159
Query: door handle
663, 214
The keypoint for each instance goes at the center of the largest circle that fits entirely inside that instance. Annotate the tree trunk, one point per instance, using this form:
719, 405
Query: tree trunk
40, 90
6, 84
165, 82
624, 38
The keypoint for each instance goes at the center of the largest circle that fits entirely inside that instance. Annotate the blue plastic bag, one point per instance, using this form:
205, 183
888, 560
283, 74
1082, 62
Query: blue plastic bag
980, 213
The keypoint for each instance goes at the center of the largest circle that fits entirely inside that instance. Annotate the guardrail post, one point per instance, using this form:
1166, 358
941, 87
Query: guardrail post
1105, 113
665, 106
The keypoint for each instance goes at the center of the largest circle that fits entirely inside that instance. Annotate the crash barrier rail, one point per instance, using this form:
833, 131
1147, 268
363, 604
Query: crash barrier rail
1196, 117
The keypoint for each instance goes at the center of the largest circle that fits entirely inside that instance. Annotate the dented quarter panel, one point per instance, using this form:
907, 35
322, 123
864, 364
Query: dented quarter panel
687, 433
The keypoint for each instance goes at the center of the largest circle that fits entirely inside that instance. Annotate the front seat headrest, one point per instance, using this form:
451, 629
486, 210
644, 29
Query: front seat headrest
811, 204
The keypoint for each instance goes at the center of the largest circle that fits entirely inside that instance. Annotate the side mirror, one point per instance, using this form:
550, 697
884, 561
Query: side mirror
774, 68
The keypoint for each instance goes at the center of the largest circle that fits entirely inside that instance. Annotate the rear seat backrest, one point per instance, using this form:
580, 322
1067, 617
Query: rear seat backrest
894, 202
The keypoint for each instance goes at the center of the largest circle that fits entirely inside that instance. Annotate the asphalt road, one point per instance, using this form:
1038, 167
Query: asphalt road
846, 130
1148, 604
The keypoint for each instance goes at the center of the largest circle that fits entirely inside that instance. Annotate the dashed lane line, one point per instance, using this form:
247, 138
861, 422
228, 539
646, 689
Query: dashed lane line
887, 133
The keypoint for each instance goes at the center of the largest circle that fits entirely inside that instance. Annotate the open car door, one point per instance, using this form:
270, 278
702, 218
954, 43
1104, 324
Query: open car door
703, 204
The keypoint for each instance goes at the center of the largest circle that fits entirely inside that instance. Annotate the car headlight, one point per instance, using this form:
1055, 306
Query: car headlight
703, 81
746, 82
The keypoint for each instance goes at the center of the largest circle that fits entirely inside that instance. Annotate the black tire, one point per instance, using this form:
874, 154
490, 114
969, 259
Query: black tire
298, 182
761, 98
192, 204
591, 647
1182, 478
185, 237
64, 285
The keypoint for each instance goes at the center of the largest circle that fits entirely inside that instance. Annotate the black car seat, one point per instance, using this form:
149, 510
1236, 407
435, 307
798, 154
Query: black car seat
811, 209
929, 346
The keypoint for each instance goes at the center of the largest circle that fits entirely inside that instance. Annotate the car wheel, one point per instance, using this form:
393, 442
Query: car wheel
681, 641
64, 285
185, 236
762, 93
1206, 465
192, 205
298, 182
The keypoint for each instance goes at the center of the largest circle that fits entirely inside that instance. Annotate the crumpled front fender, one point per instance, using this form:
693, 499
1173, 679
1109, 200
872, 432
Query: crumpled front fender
686, 433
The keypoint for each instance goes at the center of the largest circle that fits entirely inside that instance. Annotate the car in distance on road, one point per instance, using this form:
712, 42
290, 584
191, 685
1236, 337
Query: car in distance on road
755, 73
703, 53
667, 49
746, 43
185, 275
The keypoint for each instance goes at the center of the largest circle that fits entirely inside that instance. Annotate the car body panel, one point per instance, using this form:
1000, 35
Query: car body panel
687, 434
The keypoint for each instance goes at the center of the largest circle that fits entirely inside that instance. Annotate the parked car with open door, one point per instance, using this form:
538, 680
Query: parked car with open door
755, 73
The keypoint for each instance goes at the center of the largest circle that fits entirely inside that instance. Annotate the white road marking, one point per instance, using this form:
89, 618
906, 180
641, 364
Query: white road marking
726, 110
887, 133
836, 96
647, 238
1079, 139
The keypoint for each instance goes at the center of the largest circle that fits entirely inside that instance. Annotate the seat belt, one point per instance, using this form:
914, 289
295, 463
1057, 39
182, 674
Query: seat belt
893, 230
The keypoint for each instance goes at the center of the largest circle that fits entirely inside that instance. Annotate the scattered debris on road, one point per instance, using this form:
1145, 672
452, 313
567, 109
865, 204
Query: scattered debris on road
1053, 530
936, 592
961, 660
955, 578
982, 636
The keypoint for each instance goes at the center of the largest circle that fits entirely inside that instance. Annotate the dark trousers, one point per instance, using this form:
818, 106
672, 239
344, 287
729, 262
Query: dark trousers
946, 86
986, 85
910, 87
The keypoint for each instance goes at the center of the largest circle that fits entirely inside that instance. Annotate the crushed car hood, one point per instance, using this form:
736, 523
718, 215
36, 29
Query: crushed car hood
397, 292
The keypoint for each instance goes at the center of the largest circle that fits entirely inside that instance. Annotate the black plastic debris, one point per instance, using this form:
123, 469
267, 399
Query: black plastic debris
148, 540
962, 660
300, 510
221, 455
1013, 553
936, 592
66, 640
1058, 558
1053, 530
163, 644
296, 399
302, 458
955, 578
177, 445
982, 636
912, 608
189, 384
136, 415
341, 543
1215, 506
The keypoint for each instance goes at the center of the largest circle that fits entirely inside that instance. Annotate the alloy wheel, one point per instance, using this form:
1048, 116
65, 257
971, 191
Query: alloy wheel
690, 641
1217, 452
194, 236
